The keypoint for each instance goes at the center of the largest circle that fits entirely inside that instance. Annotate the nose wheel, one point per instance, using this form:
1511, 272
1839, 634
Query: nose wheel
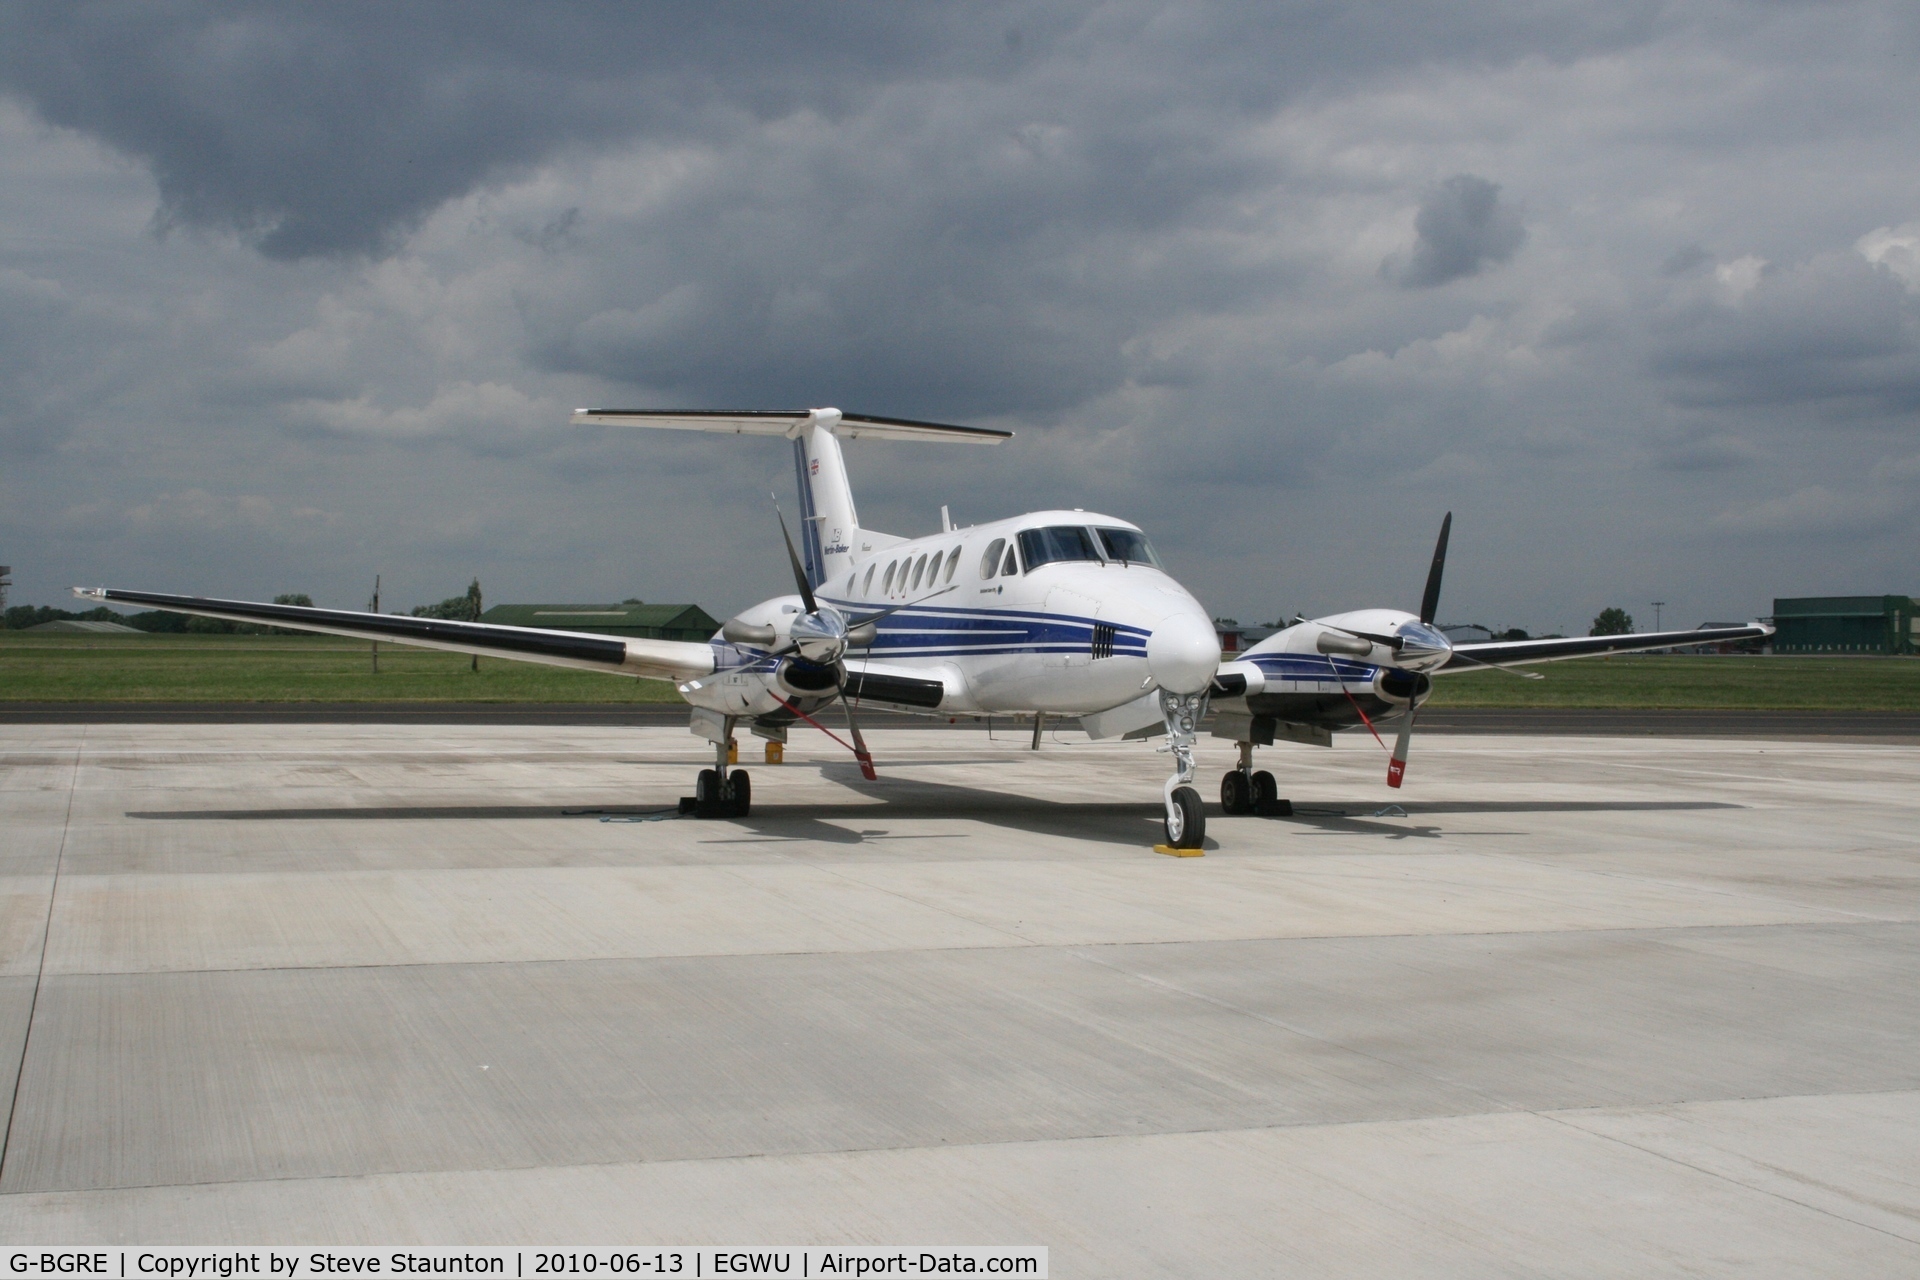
1186, 822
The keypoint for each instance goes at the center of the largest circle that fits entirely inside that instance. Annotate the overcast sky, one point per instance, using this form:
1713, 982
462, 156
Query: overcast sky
291, 295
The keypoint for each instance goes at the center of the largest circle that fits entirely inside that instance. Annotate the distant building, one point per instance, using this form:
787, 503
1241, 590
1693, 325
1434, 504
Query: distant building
629, 618
1846, 624
1236, 637
1724, 646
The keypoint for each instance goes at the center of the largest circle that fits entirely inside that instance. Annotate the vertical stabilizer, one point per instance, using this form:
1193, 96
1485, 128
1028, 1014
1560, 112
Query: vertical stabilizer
826, 500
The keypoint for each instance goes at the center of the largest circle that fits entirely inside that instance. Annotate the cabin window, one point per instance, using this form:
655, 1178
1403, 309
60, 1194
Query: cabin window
990, 562
1011, 565
953, 562
867, 585
886, 584
1056, 543
919, 567
1129, 546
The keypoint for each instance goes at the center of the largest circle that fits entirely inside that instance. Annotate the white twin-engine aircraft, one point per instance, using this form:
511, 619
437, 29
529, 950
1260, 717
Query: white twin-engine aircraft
1062, 613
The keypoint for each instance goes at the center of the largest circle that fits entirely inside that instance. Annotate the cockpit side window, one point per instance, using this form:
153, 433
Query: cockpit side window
990, 562
1055, 543
1129, 546
1010, 565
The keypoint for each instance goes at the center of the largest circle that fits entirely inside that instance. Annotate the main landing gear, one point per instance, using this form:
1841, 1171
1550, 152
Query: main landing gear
722, 791
1244, 791
1186, 820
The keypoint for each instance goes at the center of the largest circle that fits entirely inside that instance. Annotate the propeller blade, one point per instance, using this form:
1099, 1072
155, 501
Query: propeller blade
793, 558
860, 751
1494, 666
1397, 765
1430, 599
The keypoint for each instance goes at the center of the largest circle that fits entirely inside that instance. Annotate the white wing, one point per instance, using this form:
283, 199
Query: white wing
790, 423
675, 660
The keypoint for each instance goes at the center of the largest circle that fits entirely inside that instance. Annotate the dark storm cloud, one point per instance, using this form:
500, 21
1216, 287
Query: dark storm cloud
333, 127
1149, 236
1462, 228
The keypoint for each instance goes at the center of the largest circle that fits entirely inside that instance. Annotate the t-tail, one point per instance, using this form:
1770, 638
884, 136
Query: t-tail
830, 536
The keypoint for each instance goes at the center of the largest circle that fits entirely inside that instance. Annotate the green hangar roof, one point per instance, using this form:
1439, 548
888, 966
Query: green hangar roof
631, 618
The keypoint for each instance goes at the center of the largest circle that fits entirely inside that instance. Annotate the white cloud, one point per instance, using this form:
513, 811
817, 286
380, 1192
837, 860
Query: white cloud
1740, 277
1895, 248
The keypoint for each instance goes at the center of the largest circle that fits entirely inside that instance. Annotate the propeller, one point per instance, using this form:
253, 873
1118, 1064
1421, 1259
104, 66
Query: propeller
1430, 598
828, 626
1429, 608
1494, 666
823, 635
793, 558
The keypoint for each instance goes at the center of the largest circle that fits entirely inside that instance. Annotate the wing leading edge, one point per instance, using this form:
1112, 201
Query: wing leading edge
1506, 653
652, 659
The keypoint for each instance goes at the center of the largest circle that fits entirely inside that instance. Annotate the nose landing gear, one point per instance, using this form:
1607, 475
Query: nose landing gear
1186, 821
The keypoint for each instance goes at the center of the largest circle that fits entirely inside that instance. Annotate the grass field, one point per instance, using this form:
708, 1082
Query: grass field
204, 668
1659, 680
216, 668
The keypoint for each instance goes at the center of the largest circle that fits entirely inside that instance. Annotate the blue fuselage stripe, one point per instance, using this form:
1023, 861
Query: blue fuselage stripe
936, 632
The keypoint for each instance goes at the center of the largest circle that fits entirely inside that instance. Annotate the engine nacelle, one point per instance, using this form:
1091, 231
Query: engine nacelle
1401, 688
799, 679
764, 687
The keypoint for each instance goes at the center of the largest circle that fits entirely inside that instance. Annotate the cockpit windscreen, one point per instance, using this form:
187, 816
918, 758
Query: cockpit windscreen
1060, 542
1128, 545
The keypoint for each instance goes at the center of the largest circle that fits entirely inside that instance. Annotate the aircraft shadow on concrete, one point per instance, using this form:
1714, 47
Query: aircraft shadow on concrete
906, 798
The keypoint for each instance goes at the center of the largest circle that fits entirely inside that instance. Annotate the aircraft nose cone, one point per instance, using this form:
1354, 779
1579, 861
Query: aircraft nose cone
1183, 653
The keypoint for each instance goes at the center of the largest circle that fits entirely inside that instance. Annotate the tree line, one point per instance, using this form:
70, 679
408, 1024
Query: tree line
466, 607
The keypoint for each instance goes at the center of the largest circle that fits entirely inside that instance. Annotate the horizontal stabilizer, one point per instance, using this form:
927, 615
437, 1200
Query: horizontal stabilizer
790, 423
1500, 653
655, 659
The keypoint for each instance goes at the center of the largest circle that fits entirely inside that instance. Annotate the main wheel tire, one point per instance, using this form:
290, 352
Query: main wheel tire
1236, 793
706, 794
1186, 822
1266, 797
739, 793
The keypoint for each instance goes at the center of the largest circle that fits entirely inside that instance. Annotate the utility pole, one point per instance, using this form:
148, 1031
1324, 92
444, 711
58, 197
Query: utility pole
373, 606
476, 609
1657, 606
